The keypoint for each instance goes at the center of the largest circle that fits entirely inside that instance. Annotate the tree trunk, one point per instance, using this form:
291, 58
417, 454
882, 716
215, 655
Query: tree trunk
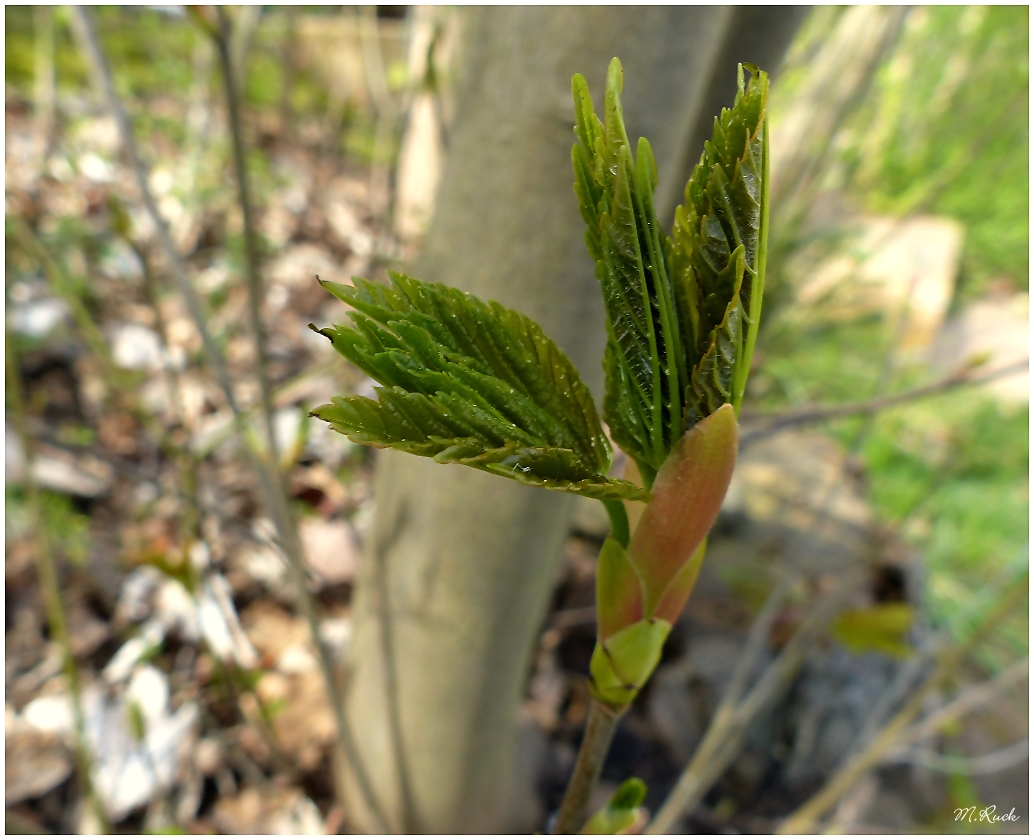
461, 563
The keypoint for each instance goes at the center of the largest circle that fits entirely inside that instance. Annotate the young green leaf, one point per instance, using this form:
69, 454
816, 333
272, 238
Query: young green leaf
682, 312
718, 246
645, 360
470, 383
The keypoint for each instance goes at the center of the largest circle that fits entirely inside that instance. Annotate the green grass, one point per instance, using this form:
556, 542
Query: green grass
950, 472
946, 131
68, 531
943, 130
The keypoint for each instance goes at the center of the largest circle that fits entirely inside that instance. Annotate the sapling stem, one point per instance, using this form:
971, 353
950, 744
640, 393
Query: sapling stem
599, 732
45, 87
119, 382
48, 582
231, 85
386, 111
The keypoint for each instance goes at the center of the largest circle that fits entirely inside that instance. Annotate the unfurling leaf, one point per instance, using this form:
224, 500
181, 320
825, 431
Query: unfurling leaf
682, 312
645, 362
718, 249
468, 382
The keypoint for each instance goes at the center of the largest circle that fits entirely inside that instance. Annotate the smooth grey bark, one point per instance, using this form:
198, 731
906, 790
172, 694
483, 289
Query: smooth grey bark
460, 564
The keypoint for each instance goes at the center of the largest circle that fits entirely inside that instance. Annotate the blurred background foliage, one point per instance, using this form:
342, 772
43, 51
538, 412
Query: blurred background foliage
942, 128
938, 127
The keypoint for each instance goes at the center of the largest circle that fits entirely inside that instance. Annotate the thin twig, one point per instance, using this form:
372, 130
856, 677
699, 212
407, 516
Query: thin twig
240, 43
725, 734
968, 700
268, 477
380, 95
45, 88
981, 765
61, 283
773, 423
190, 521
599, 732
251, 256
288, 60
803, 820
756, 642
44, 433
337, 103
47, 572
906, 679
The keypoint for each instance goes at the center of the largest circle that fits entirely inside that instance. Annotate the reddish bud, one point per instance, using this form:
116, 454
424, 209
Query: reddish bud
686, 498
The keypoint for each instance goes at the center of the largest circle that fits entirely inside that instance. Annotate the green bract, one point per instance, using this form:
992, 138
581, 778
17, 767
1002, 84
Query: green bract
621, 811
640, 591
682, 312
467, 382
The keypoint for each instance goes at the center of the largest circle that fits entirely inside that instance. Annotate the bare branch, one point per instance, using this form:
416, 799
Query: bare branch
983, 765
755, 645
963, 704
773, 423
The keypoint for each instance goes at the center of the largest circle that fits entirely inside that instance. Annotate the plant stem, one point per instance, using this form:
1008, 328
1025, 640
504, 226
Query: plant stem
599, 732
269, 479
190, 521
380, 97
251, 260
119, 383
61, 283
288, 53
45, 569
619, 529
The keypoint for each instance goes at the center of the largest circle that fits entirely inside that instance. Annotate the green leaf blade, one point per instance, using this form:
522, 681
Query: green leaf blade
646, 366
472, 383
725, 210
